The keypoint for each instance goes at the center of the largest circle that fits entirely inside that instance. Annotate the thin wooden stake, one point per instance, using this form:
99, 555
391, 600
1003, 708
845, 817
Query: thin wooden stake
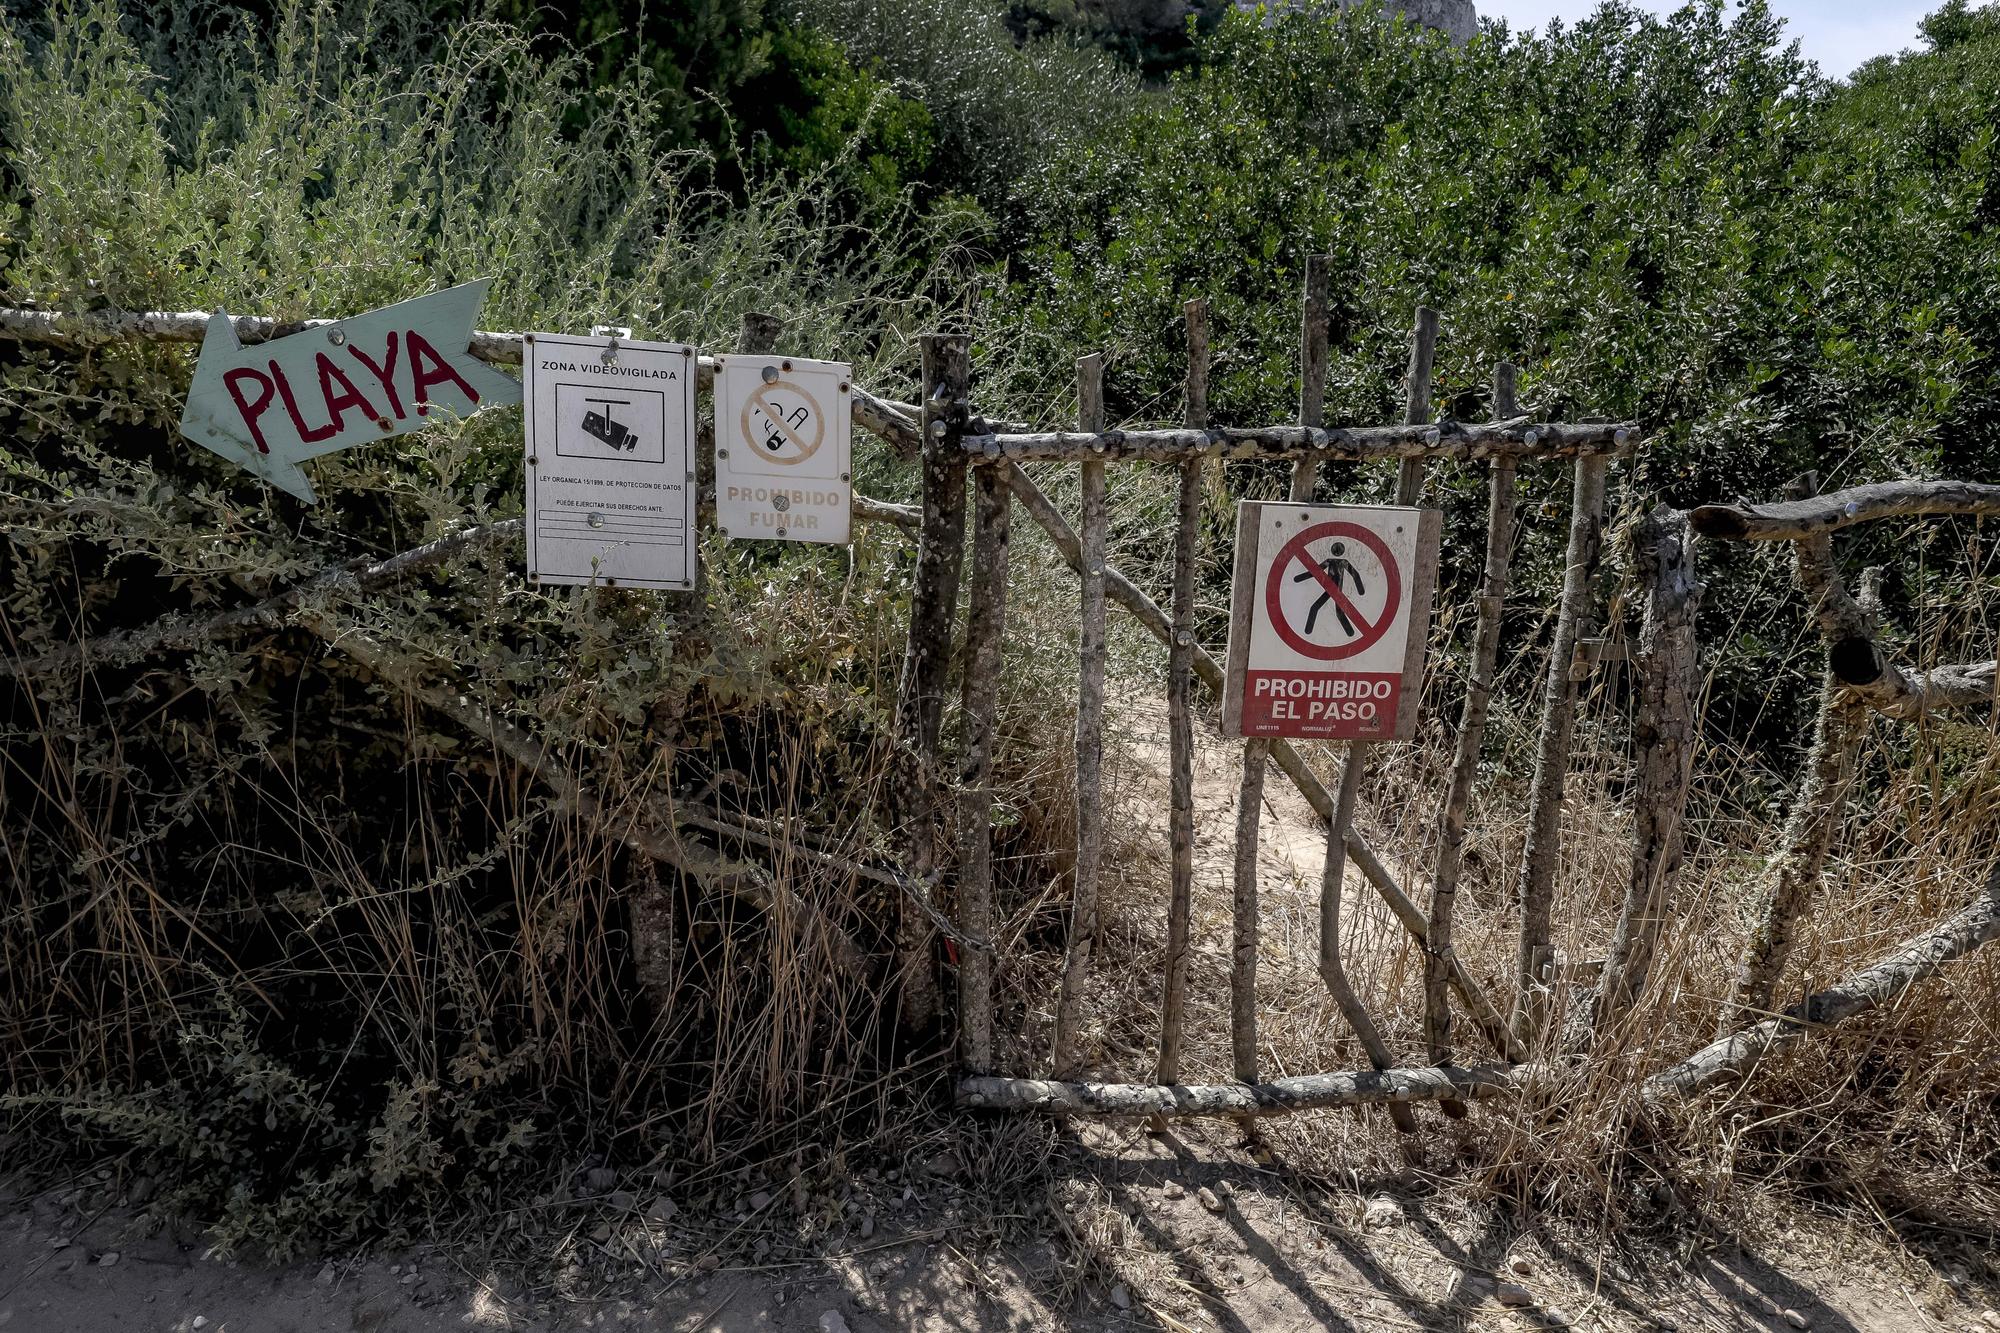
1180, 736
1089, 723
985, 626
1533, 982
1333, 878
1471, 735
947, 369
1256, 751
1663, 734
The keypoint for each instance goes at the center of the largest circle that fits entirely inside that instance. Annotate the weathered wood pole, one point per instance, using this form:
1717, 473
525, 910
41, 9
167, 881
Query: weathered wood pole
1333, 877
1257, 751
1089, 722
1534, 962
1471, 733
1664, 731
1180, 739
947, 372
1837, 735
985, 627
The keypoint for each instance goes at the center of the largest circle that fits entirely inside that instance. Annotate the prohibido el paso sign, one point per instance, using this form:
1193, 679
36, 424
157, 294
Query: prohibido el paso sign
783, 448
1328, 617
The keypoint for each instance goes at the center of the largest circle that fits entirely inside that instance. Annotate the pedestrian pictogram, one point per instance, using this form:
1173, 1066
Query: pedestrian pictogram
783, 439
1328, 618
1351, 591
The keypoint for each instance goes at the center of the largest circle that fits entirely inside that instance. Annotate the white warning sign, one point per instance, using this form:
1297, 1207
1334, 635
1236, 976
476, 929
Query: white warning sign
783, 447
1328, 620
610, 431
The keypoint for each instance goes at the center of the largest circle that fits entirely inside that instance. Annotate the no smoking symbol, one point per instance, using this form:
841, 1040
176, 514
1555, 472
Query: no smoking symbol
1338, 587
783, 423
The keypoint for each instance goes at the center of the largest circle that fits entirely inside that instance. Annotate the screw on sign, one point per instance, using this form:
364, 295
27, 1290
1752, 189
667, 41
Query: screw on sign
1328, 618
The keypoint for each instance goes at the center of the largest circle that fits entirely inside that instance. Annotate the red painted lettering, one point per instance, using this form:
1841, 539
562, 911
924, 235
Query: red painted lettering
250, 411
440, 370
311, 435
349, 397
384, 373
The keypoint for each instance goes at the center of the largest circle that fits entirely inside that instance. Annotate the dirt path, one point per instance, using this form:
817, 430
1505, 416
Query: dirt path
1028, 1227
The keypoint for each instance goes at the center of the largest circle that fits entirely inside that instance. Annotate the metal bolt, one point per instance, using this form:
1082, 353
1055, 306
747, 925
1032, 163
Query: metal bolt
335, 336
723, 531
383, 423
423, 409
781, 502
843, 476
1619, 436
938, 429
787, 365
596, 520
770, 374
722, 453
610, 582
781, 532
1184, 638
527, 337
532, 460
843, 386
690, 476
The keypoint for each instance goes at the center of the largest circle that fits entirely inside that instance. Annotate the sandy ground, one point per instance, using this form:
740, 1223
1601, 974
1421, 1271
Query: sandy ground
1024, 1227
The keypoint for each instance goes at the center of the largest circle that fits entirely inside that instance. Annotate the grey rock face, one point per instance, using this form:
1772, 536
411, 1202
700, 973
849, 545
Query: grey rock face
1457, 19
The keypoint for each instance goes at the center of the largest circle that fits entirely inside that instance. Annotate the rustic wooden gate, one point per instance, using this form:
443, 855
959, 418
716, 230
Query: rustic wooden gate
955, 443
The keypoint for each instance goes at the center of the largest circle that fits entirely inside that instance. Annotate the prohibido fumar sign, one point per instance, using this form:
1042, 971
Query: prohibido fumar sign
1328, 617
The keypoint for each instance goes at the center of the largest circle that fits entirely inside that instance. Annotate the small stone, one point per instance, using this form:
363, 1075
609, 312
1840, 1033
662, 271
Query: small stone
1381, 1212
944, 1164
107, 1259
1175, 1190
662, 1209
199, 1321
600, 1179
58, 1242
1554, 1316
1120, 1297
142, 1190
623, 1200
1519, 1264
1794, 1318
760, 1201
1513, 1295
868, 1227
708, 1263
1990, 1318
395, 1269
1208, 1199
326, 1275
601, 1232
832, 1321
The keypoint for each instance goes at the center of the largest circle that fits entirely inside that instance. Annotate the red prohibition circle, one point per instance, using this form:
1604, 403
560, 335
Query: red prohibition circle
1295, 550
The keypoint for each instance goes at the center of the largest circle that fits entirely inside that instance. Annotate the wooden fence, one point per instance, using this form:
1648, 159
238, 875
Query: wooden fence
960, 451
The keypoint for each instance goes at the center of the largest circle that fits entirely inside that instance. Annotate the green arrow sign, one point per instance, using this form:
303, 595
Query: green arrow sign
269, 407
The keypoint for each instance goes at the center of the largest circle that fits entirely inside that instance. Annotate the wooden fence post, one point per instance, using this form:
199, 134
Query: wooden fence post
1089, 723
1180, 737
947, 370
1471, 734
1333, 877
1535, 957
984, 630
1663, 734
1256, 751
1829, 770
